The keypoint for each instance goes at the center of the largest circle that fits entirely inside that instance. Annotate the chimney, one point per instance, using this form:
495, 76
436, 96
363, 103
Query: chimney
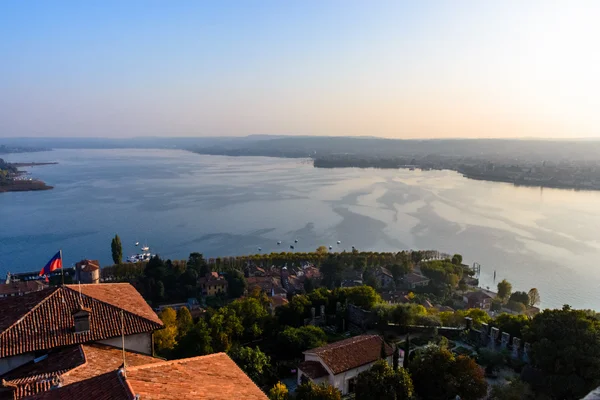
81, 318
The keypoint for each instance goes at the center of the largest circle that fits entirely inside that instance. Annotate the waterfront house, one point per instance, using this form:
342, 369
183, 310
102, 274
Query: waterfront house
478, 299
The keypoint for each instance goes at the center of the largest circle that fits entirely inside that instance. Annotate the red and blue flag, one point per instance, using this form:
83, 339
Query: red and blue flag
54, 264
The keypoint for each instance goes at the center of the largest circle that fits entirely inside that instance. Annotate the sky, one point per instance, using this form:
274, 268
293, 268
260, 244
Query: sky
398, 69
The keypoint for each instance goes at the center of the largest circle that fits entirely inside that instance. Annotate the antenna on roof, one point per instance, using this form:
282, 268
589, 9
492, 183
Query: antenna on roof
123, 341
80, 295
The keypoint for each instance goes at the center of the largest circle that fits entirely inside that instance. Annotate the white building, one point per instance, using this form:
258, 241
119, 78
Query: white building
337, 364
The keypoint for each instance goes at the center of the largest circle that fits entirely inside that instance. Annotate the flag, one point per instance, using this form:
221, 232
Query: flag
54, 264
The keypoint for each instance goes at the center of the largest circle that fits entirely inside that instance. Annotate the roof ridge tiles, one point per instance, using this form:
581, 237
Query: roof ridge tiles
172, 362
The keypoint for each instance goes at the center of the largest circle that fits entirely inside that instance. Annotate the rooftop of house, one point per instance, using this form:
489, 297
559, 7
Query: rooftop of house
44, 320
414, 278
477, 296
351, 353
7, 289
214, 377
385, 271
88, 265
313, 369
69, 365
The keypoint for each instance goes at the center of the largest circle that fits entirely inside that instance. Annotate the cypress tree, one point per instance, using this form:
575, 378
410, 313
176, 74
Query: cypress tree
117, 250
396, 358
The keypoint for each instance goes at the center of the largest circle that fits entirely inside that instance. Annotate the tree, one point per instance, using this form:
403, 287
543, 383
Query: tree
383, 351
185, 322
504, 289
383, 383
252, 361
515, 325
236, 283
361, 296
278, 392
566, 349
294, 341
116, 250
310, 391
226, 326
519, 297
534, 297
331, 269
516, 306
322, 250
468, 379
457, 259
197, 342
165, 339
399, 270
439, 375
197, 263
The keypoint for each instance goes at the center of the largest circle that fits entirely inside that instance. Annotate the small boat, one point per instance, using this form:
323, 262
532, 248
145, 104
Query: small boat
259, 249
330, 247
292, 247
296, 241
145, 248
137, 243
279, 242
339, 242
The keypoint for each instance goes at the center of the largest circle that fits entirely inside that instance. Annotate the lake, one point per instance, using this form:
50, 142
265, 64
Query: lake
179, 202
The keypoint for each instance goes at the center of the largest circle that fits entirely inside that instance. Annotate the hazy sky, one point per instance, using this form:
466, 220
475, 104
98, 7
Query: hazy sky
403, 69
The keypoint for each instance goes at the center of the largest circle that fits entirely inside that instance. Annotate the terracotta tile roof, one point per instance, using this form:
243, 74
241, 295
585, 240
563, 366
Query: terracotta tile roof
43, 320
21, 287
58, 360
70, 365
100, 359
351, 353
214, 377
89, 265
477, 296
414, 278
121, 295
313, 369
108, 386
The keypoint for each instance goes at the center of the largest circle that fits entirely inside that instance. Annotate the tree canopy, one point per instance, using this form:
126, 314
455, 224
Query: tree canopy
384, 383
438, 374
504, 289
310, 391
252, 361
566, 349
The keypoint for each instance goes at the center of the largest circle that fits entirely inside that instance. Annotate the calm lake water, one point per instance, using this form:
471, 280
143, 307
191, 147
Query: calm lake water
179, 202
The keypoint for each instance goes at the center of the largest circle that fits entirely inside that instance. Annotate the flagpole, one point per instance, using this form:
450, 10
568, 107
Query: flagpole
62, 268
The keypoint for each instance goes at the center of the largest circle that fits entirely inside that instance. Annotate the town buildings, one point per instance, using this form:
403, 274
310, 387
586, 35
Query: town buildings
212, 284
337, 364
19, 288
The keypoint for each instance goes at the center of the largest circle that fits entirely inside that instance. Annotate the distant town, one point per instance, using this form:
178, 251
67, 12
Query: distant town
318, 325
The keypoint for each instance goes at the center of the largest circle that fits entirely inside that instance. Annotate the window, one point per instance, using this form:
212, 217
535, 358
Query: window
351, 385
